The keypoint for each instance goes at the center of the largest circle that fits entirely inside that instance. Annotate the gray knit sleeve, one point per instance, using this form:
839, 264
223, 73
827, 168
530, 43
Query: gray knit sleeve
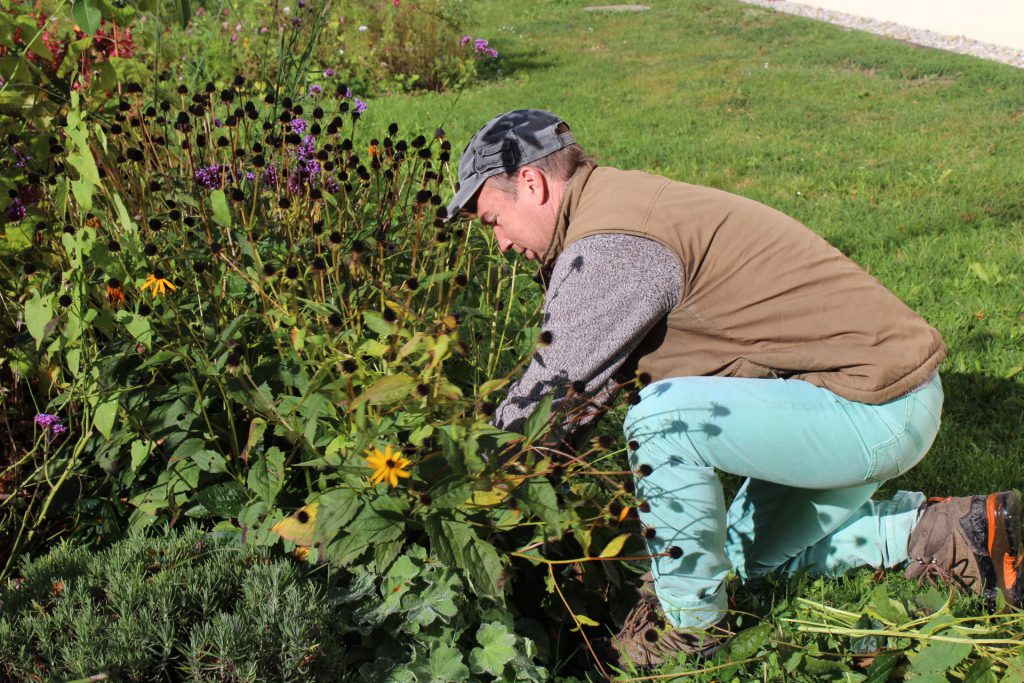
605, 294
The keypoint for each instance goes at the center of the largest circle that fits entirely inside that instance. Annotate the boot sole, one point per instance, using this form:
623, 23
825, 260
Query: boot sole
1004, 515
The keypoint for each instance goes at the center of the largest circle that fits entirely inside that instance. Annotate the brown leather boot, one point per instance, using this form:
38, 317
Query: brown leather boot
972, 542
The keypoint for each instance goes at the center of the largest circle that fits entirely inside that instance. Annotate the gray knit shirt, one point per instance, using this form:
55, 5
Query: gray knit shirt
605, 293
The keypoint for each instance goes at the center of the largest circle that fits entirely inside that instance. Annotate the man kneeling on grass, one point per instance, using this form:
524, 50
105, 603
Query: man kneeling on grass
769, 355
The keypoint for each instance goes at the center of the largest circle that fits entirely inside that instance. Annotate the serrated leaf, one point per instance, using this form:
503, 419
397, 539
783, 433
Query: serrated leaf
939, 656
497, 648
376, 322
266, 476
446, 665
86, 15
220, 500
614, 546
449, 492
337, 508
537, 423
385, 390
537, 495
457, 545
980, 672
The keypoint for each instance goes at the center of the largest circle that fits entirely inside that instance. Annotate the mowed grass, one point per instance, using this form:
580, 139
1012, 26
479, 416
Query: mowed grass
909, 160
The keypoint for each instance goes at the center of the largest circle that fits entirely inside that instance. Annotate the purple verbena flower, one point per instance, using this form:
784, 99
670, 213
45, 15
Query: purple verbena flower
480, 44
250, 176
16, 211
209, 177
299, 125
270, 174
58, 429
360, 106
46, 419
315, 89
218, 123
491, 52
328, 72
331, 184
465, 39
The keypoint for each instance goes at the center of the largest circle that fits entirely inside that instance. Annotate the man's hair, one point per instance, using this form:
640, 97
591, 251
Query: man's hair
560, 165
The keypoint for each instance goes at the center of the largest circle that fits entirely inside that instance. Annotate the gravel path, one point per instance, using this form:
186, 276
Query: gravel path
958, 44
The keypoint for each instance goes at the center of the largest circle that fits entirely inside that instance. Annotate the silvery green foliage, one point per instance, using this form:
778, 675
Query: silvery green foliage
189, 606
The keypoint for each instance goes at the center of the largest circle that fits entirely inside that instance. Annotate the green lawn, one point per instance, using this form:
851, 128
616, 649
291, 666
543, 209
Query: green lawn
909, 160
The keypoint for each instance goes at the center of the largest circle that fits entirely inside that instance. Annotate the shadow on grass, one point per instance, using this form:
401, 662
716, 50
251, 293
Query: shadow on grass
517, 61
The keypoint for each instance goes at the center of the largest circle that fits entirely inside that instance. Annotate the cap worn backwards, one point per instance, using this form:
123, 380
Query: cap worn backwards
504, 144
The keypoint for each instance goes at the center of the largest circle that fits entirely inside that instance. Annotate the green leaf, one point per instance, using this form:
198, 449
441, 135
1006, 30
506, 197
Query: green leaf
980, 672
139, 328
457, 545
497, 648
17, 237
266, 476
614, 546
86, 15
449, 492
581, 621
538, 420
747, 642
103, 418
183, 9
445, 666
538, 497
939, 657
219, 500
140, 453
337, 508
219, 207
385, 390
885, 608
376, 322
38, 315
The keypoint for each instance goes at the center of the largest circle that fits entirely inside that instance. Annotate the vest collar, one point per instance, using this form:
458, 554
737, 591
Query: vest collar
566, 206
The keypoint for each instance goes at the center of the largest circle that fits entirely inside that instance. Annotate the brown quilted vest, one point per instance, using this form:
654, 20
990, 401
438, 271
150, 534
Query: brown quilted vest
762, 295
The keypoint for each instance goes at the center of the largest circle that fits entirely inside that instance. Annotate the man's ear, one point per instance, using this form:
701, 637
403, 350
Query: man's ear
534, 184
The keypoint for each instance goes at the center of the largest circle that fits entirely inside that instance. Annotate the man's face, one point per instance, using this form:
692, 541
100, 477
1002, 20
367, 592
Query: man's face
521, 222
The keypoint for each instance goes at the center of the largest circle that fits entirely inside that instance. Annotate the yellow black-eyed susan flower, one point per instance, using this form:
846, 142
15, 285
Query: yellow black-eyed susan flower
157, 283
388, 466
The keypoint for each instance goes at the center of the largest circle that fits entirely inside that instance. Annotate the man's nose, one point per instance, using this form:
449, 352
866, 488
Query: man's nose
503, 243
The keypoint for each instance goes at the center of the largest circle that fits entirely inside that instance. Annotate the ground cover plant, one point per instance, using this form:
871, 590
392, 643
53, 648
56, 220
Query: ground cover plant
303, 349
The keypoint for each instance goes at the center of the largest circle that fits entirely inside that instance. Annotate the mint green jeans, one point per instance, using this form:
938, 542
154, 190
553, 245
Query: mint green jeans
812, 460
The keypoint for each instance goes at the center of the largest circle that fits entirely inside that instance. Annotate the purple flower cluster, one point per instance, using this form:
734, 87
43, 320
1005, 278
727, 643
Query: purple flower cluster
480, 46
50, 423
299, 126
360, 106
209, 177
16, 211
270, 175
307, 168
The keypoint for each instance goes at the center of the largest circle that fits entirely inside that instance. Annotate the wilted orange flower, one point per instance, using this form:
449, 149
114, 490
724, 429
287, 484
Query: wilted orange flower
115, 294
